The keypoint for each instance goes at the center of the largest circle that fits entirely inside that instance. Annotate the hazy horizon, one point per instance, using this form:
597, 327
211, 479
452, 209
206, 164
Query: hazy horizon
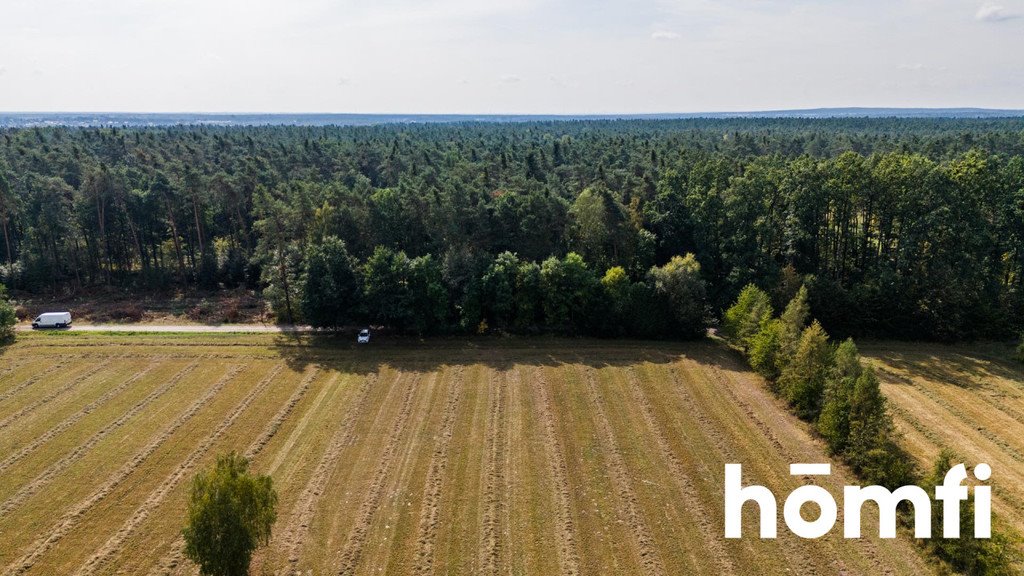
682, 113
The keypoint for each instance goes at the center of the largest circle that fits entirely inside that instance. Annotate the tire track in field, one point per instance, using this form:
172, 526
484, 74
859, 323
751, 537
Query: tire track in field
568, 551
34, 378
72, 518
157, 496
60, 391
490, 537
912, 421
354, 545
424, 558
619, 475
305, 506
172, 559
75, 455
74, 419
692, 501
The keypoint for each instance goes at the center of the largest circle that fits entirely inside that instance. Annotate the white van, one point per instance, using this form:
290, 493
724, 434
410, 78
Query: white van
52, 320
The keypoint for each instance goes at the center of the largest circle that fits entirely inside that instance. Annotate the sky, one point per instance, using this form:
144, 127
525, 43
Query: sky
508, 56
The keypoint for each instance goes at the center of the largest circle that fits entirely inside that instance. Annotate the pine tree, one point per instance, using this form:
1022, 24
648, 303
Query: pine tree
802, 381
794, 320
872, 449
834, 421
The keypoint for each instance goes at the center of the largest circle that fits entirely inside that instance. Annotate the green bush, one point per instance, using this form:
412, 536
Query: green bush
428, 296
617, 291
498, 290
568, 287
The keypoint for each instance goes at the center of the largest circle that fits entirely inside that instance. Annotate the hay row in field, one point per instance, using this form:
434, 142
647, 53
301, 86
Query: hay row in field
70, 519
569, 459
969, 399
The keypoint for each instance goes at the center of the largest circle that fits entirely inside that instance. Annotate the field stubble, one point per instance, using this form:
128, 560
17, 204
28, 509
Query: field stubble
969, 398
511, 457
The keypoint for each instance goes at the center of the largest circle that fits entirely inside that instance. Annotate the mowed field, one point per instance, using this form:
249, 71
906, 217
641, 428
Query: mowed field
533, 456
969, 398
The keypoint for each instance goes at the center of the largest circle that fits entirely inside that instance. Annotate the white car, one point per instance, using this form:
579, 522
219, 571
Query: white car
364, 337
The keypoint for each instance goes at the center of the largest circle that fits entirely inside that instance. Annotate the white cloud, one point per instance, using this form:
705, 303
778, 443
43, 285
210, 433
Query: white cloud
921, 67
990, 12
510, 79
562, 81
431, 11
664, 35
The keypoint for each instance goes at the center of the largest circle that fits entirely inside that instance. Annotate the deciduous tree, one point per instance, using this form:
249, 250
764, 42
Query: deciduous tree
230, 514
331, 287
680, 282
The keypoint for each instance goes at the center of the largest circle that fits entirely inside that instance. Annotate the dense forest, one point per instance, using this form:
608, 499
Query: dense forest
899, 227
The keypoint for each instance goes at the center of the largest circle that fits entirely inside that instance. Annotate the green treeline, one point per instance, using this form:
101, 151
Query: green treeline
563, 295
901, 228
829, 386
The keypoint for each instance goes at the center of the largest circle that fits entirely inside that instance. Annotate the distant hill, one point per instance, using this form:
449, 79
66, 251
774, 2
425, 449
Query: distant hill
83, 119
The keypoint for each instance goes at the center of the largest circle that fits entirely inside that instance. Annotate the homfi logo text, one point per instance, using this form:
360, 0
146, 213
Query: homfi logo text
951, 493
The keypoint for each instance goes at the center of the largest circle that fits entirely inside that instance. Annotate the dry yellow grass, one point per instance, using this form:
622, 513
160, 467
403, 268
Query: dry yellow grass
447, 457
969, 398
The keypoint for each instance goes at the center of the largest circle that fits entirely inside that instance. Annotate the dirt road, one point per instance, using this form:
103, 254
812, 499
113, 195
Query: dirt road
248, 328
